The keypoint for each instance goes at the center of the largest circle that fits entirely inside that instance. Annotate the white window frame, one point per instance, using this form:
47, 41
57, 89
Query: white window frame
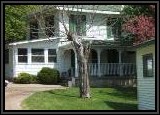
52, 56
22, 56
37, 55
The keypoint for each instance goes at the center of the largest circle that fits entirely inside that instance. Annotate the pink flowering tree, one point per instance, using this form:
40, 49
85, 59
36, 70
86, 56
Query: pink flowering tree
141, 26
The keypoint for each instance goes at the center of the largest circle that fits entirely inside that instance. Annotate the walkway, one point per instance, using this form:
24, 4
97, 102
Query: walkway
16, 93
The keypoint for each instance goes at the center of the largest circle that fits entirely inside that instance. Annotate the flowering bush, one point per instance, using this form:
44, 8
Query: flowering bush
143, 27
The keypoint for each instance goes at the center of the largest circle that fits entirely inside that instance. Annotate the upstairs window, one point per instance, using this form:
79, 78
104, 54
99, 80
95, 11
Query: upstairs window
148, 65
113, 28
52, 56
49, 25
6, 56
37, 55
77, 24
34, 29
22, 55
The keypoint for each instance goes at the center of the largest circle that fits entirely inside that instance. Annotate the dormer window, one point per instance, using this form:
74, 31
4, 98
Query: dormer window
34, 29
77, 24
49, 25
113, 28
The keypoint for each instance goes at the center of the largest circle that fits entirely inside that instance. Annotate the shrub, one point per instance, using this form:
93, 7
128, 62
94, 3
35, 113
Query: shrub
34, 79
48, 76
25, 78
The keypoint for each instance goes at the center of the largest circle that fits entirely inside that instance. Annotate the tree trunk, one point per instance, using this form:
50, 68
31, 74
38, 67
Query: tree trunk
84, 79
82, 58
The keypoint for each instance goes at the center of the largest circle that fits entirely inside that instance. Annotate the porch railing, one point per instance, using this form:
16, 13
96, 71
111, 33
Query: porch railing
112, 69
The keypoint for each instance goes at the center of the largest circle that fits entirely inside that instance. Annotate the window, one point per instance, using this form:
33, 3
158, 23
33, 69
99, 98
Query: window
49, 23
77, 24
113, 28
6, 56
34, 29
52, 57
148, 65
37, 55
22, 55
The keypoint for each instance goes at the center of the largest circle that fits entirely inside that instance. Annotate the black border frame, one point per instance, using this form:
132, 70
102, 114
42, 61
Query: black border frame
3, 111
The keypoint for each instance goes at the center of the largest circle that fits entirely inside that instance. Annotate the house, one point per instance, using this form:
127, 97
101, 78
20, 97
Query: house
145, 56
107, 58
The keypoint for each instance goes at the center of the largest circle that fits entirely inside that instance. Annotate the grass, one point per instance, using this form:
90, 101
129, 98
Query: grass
68, 99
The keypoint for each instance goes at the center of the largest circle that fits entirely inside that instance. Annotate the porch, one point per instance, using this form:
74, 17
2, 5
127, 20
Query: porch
102, 63
112, 69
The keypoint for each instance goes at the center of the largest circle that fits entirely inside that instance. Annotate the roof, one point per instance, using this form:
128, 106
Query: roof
35, 40
101, 9
145, 43
113, 8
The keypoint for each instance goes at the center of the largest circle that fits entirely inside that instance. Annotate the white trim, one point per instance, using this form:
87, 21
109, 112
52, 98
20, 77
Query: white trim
88, 11
55, 38
45, 55
29, 56
37, 40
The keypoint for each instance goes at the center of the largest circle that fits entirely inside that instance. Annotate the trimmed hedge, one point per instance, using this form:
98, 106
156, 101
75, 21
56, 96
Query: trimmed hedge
25, 78
48, 76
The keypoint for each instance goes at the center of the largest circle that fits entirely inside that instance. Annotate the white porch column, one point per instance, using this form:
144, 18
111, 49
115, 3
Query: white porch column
120, 62
14, 61
76, 65
16, 55
99, 62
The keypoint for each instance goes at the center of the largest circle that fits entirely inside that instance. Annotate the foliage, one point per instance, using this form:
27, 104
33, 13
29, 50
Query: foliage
25, 78
126, 38
142, 27
135, 10
68, 99
16, 22
48, 76
142, 22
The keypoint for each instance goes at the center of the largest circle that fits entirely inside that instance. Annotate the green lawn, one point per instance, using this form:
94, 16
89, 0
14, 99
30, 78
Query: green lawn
68, 99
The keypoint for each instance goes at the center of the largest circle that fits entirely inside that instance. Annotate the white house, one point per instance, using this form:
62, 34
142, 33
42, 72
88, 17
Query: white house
145, 56
107, 58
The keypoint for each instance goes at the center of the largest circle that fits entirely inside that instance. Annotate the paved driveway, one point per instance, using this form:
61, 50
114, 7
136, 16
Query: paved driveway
16, 93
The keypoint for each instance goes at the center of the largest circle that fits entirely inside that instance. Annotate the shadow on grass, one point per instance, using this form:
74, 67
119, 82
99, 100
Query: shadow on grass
60, 94
128, 93
121, 106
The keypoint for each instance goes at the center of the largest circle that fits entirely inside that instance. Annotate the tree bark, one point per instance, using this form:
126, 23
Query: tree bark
84, 79
82, 58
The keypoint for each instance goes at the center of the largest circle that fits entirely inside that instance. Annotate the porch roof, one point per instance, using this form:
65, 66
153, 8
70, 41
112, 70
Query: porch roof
35, 40
108, 43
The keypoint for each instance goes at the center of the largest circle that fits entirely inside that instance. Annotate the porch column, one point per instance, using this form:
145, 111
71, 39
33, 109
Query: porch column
16, 55
14, 61
99, 62
120, 62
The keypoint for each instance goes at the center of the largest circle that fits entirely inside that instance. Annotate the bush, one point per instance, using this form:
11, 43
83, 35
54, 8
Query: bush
48, 76
34, 79
25, 78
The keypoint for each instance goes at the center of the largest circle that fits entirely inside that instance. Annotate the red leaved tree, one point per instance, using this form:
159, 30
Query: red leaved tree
141, 26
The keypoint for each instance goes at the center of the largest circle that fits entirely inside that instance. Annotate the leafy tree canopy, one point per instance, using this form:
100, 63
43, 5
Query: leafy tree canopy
16, 22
